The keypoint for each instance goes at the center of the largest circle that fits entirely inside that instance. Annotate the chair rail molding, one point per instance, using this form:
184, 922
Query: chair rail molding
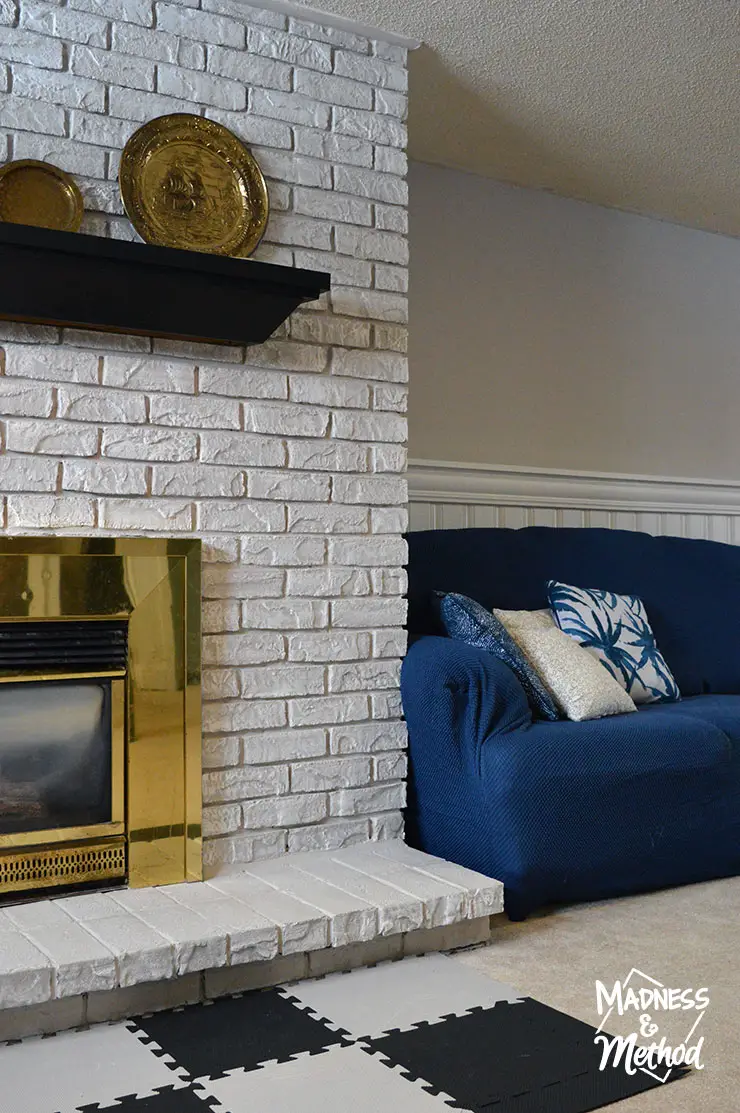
451, 495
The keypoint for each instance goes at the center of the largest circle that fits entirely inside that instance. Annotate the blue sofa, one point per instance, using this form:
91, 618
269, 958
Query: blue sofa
575, 811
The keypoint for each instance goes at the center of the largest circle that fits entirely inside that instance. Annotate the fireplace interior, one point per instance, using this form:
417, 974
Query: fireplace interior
62, 753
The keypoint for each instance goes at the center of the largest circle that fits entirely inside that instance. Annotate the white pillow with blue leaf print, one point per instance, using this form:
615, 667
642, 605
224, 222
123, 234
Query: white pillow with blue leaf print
615, 628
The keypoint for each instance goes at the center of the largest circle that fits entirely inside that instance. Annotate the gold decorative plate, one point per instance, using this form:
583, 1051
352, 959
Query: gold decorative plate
38, 193
190, 183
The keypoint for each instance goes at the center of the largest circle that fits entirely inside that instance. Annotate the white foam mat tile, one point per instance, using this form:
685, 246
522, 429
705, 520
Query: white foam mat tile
61, 1073
341, 1080
393, 995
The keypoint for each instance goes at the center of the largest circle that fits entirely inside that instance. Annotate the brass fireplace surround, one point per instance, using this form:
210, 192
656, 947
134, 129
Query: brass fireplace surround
154, 836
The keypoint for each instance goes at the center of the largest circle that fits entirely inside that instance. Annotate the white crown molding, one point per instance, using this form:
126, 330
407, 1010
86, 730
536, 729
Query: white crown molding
327, 19
440, 481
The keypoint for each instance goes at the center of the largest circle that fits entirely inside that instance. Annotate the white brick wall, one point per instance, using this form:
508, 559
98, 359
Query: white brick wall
288, 459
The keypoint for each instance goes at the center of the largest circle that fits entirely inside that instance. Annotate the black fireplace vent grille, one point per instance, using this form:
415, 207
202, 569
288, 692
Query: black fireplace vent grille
69, 646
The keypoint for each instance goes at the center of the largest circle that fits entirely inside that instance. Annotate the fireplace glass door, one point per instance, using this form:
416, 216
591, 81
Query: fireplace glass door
55, 755
62, 742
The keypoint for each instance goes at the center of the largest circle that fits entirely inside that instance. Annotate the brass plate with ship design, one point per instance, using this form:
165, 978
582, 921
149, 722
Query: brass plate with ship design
40, 194
190, 183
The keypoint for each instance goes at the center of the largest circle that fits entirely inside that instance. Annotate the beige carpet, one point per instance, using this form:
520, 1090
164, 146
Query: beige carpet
685, 938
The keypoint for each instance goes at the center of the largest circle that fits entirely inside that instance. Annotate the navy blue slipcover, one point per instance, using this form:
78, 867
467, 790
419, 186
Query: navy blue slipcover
575, 811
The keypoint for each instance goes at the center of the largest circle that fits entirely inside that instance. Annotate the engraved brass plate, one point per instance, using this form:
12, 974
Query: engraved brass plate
38, 193
73, 864
190, 183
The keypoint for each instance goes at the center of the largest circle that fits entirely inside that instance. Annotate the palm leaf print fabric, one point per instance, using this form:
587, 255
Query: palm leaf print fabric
615, 628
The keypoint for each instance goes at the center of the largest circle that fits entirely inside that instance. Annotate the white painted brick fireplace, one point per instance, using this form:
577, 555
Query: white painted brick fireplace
288, 458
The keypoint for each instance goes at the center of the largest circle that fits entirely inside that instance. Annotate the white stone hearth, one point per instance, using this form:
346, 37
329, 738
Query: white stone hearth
73, 960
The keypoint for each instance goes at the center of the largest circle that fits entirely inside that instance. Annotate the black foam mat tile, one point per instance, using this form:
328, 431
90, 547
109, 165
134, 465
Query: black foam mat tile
512, 1057
235, 1032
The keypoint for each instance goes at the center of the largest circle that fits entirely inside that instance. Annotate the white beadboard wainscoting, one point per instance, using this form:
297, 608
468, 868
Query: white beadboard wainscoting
445, 495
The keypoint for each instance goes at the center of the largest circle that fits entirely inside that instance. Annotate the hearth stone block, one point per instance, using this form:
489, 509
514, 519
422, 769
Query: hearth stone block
389, 520
254, 647
367, 737
312, 518
364, 676
79, 965
50, 512
233, 715
390, 767
332, 835
320, 456
172, 376
242, 382
25, 972
142, 953
287, 745
35, 475
58, 364
241, 448
297, 680
241, 848
328, 646
285, 811
382, 75
251, 71
150, 444
388, 826
317, 710
24, 399
366, 801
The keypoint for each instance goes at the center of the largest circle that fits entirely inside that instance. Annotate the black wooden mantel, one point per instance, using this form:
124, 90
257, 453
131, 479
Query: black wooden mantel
74, 280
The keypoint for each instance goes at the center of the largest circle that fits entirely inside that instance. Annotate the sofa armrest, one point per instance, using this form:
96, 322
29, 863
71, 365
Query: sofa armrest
456, 696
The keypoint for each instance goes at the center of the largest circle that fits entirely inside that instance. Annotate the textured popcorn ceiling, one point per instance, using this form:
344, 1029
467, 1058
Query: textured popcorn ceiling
630, 103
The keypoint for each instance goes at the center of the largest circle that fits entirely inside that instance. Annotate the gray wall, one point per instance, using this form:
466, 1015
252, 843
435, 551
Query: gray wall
557, 334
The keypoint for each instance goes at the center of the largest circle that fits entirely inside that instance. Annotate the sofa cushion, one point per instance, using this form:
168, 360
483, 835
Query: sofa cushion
691, 589
720, 712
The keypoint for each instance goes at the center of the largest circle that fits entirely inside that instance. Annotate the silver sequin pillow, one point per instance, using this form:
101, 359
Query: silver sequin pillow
581, 687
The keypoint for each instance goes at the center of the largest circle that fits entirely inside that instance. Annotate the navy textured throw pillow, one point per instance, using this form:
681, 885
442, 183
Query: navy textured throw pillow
470, 622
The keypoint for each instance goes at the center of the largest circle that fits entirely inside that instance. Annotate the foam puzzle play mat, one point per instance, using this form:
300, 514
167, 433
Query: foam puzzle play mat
419, 1035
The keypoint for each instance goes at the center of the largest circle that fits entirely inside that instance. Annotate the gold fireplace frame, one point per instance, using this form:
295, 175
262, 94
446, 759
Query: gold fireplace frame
155, 584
